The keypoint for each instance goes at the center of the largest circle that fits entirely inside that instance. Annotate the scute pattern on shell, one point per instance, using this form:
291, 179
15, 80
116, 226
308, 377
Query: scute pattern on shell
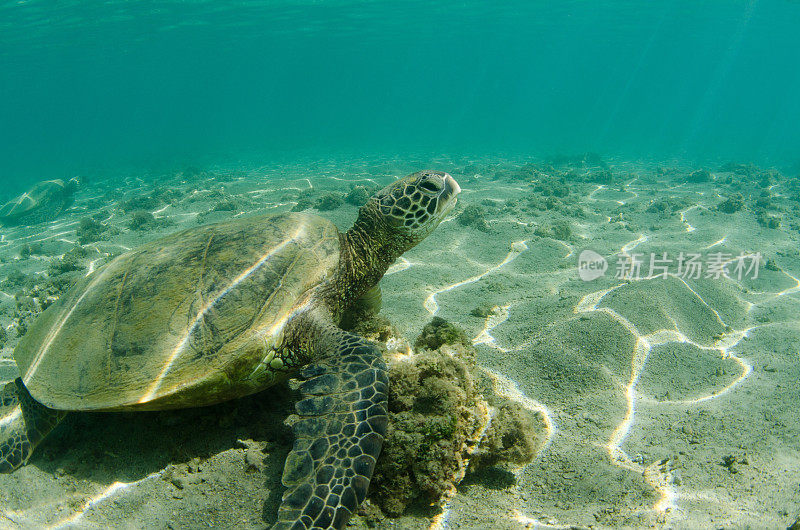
43, 202
182, 321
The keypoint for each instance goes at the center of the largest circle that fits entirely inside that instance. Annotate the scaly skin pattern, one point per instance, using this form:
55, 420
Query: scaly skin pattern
294, 290
24, 423
395, 220
343, 416
343, 421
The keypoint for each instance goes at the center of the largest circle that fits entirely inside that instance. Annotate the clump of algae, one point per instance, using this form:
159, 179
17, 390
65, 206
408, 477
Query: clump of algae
442, 422
438, 332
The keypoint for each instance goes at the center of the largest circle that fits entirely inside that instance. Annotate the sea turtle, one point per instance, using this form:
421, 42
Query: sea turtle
43, 202
220, 311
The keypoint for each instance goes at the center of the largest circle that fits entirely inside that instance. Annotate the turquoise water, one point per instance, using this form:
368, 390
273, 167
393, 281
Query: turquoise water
643, 402
89, 87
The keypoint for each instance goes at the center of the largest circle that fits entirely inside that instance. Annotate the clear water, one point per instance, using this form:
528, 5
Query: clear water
91, 87
660, 403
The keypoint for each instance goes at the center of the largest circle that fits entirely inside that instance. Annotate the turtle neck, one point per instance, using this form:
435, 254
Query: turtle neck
368, 249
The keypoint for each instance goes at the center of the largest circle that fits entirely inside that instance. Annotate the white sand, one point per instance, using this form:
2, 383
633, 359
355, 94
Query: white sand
648, 385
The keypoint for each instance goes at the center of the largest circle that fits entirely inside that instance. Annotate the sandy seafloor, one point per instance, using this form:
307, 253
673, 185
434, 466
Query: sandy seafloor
673, 401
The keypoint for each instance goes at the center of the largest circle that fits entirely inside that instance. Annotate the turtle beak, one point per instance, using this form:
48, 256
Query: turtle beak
447, 197
451, 187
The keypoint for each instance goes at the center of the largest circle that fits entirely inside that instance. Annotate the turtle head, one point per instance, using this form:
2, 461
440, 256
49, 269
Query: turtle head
413, 206
392, 221
72, 184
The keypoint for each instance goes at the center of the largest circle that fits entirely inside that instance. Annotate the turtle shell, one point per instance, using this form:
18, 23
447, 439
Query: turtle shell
43, 202
181, 321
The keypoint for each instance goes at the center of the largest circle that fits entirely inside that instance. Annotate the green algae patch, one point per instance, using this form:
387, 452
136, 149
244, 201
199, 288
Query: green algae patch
443, 424
438, 332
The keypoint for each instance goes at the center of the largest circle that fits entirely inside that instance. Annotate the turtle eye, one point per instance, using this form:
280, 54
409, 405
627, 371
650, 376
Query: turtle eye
430, 186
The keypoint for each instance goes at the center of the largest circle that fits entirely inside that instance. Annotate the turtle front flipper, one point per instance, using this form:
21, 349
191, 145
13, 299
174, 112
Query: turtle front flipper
24, 422
343, 420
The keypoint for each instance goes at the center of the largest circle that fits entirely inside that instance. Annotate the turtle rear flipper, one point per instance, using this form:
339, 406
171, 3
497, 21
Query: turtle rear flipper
24, 422
343, 420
